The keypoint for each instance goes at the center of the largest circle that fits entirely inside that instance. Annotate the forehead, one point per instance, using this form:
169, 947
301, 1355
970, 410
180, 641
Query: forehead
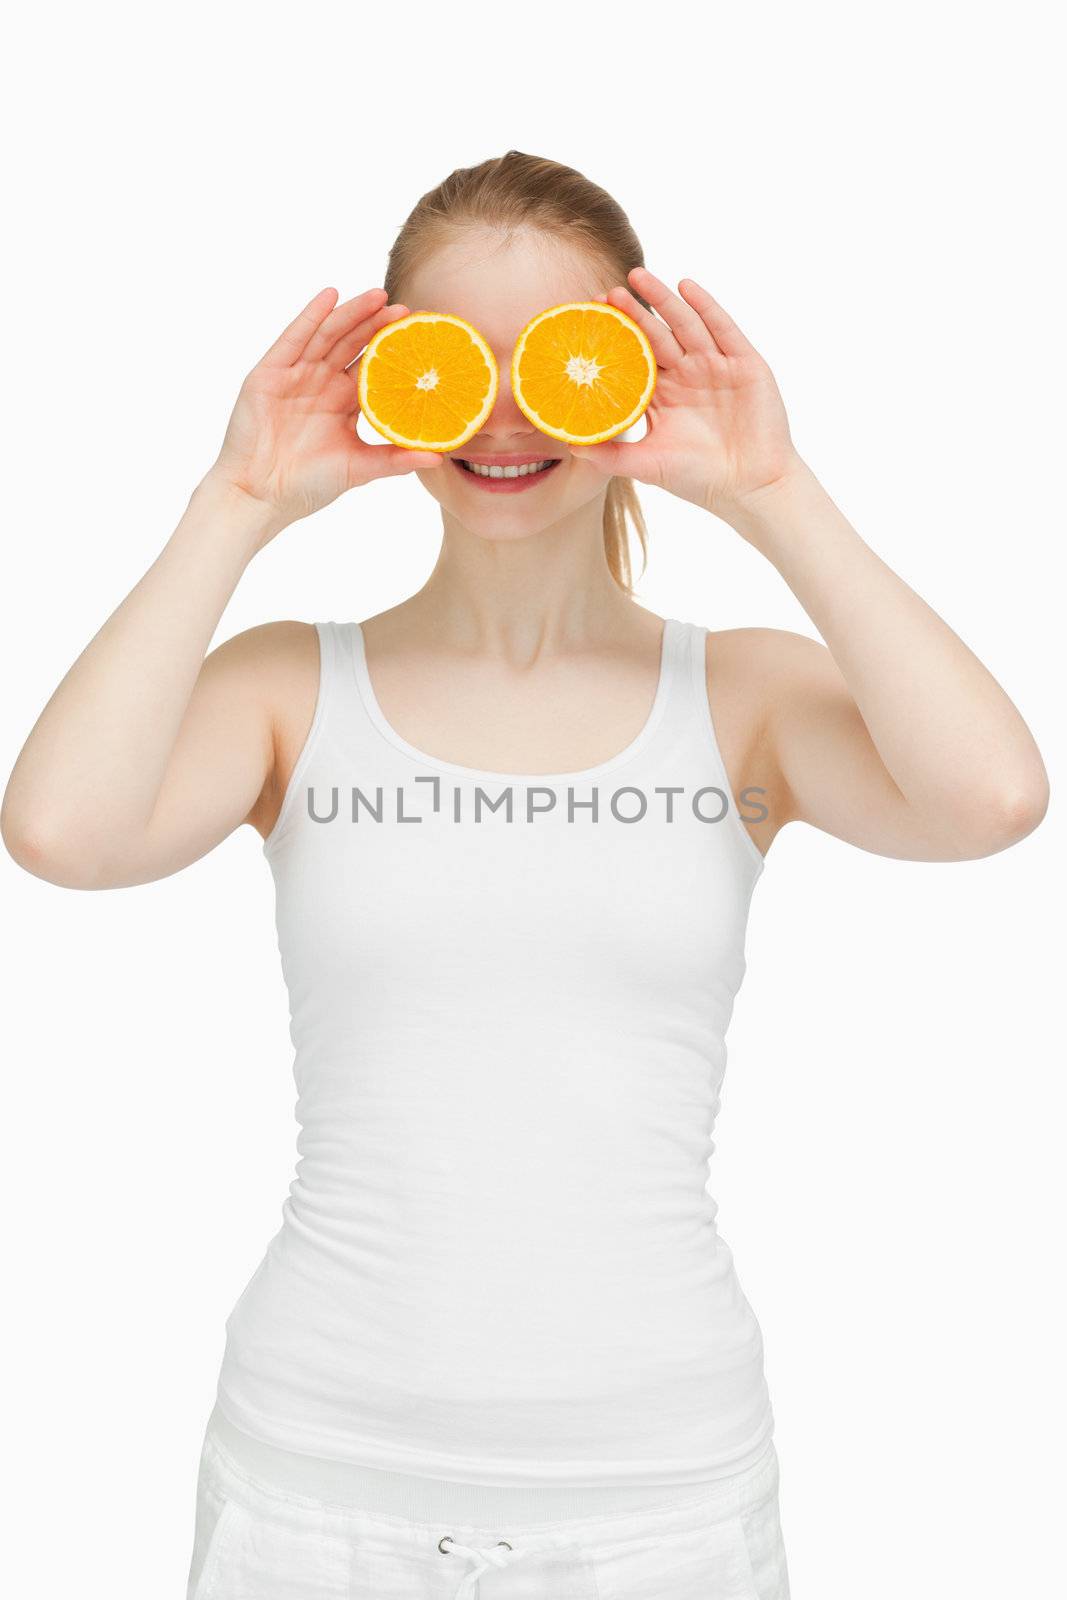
498, 281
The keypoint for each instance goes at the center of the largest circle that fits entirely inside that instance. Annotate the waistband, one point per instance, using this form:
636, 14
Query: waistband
348, 1486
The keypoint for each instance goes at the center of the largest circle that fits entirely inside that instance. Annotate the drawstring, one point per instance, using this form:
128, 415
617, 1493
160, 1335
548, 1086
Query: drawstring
484, 1556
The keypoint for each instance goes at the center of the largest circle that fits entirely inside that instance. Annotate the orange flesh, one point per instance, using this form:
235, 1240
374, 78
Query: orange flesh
550, 384
443, 412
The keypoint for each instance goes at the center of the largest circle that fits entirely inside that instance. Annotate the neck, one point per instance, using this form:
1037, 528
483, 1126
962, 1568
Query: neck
551, 589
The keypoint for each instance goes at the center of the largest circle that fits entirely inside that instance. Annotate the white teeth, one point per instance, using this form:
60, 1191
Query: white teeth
508, 472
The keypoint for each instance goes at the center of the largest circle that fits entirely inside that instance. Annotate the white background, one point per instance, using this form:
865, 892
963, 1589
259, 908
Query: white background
872, 196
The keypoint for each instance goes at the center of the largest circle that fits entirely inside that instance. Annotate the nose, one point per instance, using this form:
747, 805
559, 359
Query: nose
508, 428
506, 421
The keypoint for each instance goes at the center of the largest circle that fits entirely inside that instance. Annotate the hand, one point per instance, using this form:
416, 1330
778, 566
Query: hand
717, 428
291, 441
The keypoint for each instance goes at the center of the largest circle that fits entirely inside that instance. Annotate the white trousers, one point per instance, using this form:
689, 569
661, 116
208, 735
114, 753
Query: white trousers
256, 1540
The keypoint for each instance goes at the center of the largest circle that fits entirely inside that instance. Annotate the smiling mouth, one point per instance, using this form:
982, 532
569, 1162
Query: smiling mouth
494, 473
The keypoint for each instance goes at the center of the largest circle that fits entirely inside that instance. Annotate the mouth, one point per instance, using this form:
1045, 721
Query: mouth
505, 474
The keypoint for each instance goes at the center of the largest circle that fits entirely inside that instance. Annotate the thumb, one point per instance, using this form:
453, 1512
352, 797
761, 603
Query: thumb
397, 460
605, 457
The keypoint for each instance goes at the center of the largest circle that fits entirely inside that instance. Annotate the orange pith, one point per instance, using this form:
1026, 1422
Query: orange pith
427, 381
583, 371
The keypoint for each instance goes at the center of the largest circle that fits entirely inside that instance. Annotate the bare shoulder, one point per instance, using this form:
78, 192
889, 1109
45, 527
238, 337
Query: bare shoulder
752, 674
269, 647
764, 654
274, 664
272, 668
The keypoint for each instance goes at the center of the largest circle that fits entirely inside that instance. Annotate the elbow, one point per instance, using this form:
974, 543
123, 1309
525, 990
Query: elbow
1022, 808
20, 841
55, 839
1009, 814
31, 854
20, 833
50, 854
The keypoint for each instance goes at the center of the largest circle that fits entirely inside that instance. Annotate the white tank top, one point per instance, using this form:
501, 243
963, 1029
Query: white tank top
498, 1260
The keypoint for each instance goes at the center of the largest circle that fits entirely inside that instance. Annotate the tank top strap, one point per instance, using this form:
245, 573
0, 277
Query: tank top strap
342, 673
693, 734
331, 654
330, 694
686, 715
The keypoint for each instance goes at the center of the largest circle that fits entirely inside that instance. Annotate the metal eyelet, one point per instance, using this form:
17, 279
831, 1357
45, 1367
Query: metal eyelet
447, 1537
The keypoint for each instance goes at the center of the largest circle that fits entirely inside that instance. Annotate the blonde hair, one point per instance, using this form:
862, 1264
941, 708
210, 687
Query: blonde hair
515, 191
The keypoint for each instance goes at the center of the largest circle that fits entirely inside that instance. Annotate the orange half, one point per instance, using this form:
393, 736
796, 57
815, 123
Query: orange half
427, 381
583, 371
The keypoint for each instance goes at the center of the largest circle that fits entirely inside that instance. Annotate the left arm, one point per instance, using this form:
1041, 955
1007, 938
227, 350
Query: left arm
895, 737
892, 735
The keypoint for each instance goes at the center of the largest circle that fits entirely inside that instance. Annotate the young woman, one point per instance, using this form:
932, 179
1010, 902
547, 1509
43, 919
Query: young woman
514, 822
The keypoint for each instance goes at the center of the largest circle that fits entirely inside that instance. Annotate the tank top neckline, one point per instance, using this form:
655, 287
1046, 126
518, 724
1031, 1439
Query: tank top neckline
670, 632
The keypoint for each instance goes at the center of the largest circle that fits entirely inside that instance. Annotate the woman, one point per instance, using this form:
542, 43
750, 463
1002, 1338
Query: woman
514, 822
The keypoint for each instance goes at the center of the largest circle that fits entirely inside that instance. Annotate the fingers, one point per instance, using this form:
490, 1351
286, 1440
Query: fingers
350, 344
723, 329
290, 345
344, 321
686, 323
665, 347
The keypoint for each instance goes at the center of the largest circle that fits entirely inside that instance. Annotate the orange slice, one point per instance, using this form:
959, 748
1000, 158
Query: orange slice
582, 371
427, 381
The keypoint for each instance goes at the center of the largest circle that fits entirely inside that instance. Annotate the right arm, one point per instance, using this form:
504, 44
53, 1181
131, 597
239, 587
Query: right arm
147, 755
